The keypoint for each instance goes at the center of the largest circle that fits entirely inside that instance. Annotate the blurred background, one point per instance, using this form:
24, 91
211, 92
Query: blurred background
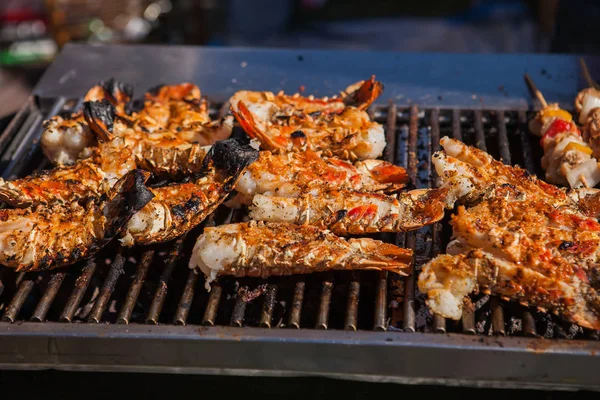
33, 31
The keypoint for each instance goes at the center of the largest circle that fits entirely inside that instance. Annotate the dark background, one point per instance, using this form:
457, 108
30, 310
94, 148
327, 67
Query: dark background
33, 31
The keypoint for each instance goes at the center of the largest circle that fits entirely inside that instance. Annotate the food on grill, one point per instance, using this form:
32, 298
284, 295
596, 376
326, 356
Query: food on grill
40, 238
469, 173
178, 208
181, 110
349, 212
161, 152
175, 115
521, 239
567, 156
66, 183
339, 126
308, 172
66, 139
264, 249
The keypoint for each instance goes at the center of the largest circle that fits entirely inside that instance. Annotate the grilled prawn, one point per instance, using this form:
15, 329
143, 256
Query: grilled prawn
66, 139
522, 249
347, 212
469, 173
521, 239
268, 249
307, 172
66, 183
447, 279
42, 238
161, 152
178, 208
282, 123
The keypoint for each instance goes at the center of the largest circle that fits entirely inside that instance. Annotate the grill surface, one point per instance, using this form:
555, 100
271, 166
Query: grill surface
146, 293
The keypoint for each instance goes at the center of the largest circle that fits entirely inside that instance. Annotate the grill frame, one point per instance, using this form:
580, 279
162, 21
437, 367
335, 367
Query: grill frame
405, 357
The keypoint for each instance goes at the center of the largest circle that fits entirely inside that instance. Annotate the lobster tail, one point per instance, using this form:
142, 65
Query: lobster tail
384, 256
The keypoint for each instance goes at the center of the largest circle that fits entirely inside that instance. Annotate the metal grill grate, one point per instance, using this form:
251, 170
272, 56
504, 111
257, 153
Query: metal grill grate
154, 286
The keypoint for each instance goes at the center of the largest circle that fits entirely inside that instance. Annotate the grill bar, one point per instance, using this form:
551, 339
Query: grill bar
325, 302
239, 310
163, 284
351, 323
81, 286
380, 322
116, 269
56, 281
439, 323
269, 298
210, 314
13, 309
136, 287
409, 323
297, 300
187, 297
479, 132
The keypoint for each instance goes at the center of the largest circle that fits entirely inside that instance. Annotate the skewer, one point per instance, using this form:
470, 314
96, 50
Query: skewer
586, 74
535, 91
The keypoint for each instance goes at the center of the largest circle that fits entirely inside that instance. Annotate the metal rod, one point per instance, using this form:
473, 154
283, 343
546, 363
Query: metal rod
503, 138
535, 91
380, 318
160, 294
456, 131
479, 132
210, 314
15, 124
409, 323
14, 154
380, 315
45, 302
136, 287
351, 320
468, 322
323, 316
390, 133
586, 74
239, 311
14, 307
116, 269
185, 303
526, 150
497, 317
81, 285
439, 323
269, 298
528, 324
297, 300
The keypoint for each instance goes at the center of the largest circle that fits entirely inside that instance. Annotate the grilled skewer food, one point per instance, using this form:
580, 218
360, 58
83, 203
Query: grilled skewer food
178, 208
266, 249
522, 239
282, 123
307, 172
567, 156
42, 238
347, 212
